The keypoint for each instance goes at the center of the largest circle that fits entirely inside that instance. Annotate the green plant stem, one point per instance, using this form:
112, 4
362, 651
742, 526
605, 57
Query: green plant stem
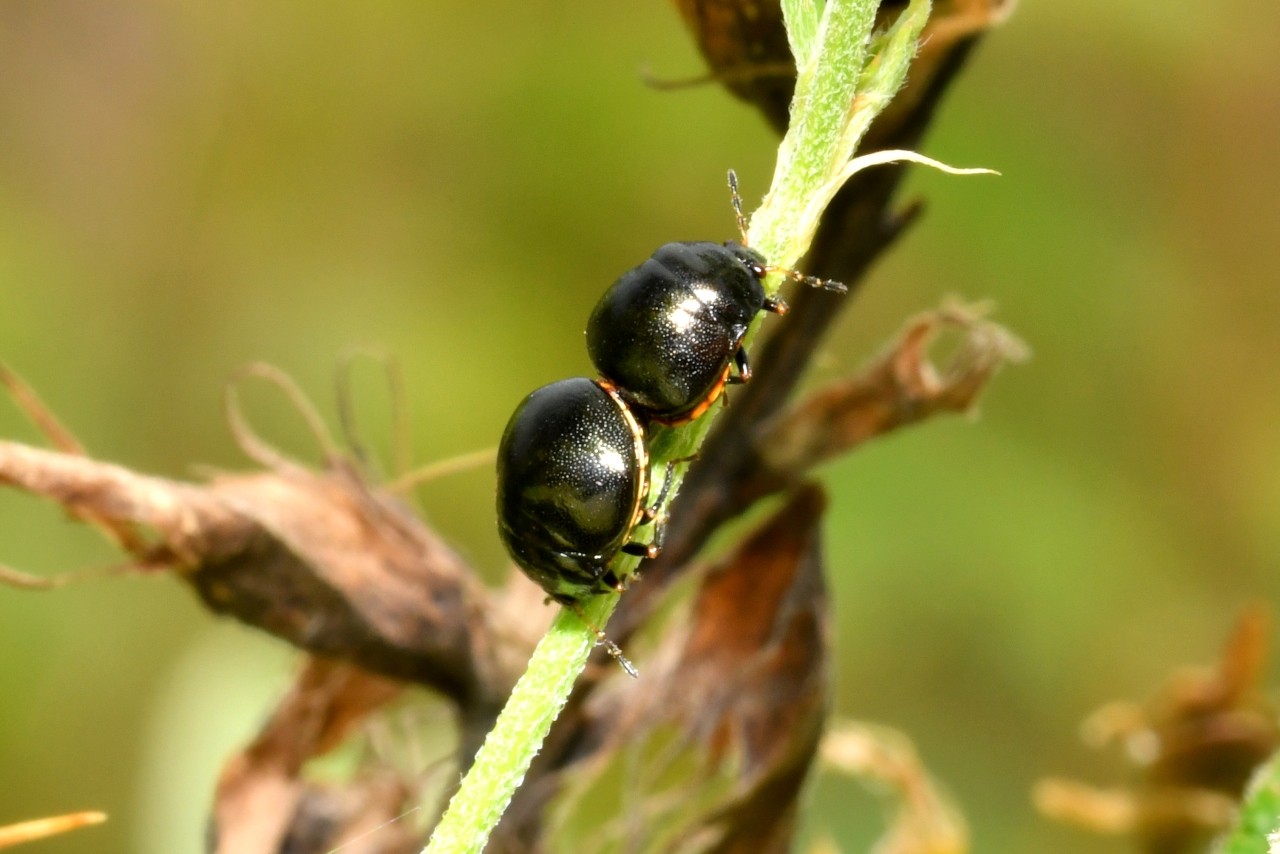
535, 702
837, 94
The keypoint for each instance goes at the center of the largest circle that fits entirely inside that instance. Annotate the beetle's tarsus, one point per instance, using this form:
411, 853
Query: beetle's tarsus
623, 662
743, 366
609, 646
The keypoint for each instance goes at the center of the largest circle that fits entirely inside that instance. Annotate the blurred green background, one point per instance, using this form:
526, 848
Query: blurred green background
188, 187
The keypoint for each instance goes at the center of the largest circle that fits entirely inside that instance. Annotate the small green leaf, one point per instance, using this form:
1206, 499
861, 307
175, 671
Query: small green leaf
801, 19
885, 72
1259, 820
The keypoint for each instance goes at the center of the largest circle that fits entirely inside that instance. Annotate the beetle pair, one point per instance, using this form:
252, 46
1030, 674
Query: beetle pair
573, 464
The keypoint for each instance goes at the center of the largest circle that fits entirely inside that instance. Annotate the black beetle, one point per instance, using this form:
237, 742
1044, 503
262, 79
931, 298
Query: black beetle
573, 482
668, 333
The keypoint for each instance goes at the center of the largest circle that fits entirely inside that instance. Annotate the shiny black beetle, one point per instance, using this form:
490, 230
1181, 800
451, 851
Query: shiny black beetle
669, 332
573, 484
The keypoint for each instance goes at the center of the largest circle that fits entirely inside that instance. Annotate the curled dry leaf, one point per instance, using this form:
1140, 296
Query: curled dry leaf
924, 818
742, 689
901, 387
343, 570
263, 804
1193, 747
326, 561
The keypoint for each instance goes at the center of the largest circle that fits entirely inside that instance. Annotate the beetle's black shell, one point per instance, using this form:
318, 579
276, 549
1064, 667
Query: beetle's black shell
666, 332
572, 479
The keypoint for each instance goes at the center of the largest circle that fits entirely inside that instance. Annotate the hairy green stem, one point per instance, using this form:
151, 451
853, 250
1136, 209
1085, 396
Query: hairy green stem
838, 92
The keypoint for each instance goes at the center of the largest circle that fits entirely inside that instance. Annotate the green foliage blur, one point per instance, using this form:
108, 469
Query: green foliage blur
185, 188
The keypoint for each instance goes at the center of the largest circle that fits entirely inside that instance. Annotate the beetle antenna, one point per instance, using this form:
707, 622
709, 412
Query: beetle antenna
811, 281
794, 275
737, 205
609, 646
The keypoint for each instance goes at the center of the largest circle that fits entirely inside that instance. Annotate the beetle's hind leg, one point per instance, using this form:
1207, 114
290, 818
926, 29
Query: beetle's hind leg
651, 550
648, 551
651, 512
744, 368
609, 646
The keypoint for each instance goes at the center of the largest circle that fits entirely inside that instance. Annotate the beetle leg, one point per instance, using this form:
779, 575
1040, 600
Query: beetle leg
644, 550
612, 582
648, 551
659, 533
651, 550
651, 512
776, 306
744, 368
609, 646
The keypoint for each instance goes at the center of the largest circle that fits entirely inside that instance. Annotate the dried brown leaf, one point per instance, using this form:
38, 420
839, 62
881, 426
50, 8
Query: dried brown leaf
752, 671
726, 721
901, 387
322, 559
340, 569
751, 681
189, 521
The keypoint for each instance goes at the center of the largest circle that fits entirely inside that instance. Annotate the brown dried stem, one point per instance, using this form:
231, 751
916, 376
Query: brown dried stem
319, 559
